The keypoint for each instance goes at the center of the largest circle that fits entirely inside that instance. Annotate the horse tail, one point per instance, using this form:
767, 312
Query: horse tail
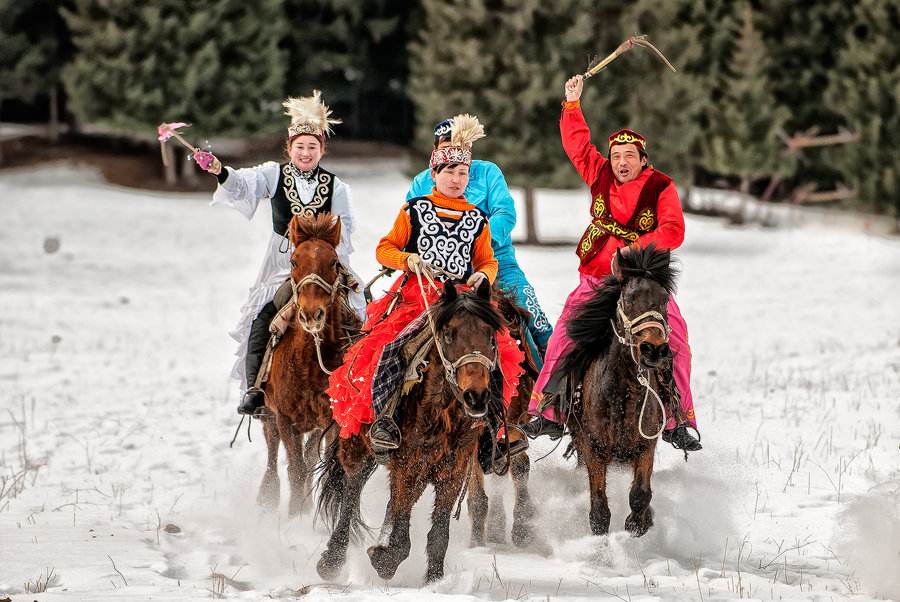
331, 481
339, 492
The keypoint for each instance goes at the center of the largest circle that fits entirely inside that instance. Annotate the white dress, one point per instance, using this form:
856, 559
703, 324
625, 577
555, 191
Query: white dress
243, 190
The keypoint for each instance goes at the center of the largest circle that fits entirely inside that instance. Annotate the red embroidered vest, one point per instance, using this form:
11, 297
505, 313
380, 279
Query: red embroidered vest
603, 225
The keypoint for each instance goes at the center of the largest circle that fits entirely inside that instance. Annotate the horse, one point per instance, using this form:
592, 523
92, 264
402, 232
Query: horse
441, 421
622, 359
315, 338
491, 513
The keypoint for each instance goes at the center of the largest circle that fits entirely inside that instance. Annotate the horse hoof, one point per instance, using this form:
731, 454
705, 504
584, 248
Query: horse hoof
329, 566
382, 561
434, 575
639, 524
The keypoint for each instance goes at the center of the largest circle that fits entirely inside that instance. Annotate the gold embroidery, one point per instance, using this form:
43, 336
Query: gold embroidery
646, 220
599, 207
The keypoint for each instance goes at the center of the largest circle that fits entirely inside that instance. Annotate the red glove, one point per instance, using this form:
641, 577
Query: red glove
208, 162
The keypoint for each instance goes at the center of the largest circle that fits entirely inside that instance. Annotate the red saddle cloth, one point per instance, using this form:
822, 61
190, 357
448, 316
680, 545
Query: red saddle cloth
350, 386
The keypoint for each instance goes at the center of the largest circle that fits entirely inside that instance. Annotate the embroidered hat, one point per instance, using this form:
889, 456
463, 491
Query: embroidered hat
309, 115
626, 136
464, 131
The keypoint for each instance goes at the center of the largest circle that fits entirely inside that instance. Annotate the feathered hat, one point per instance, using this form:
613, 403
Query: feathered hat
464, 130
309, 115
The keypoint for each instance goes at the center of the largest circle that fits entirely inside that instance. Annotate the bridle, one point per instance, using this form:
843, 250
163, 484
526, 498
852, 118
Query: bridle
330, 288
474, 357
630, 327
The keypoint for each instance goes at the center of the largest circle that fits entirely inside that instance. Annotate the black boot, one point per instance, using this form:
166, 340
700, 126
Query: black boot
540, 426
680, 438
493, 458
254, 400
384, 434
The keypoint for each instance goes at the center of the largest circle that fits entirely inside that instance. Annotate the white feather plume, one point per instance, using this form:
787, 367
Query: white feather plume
310, 110
465, 130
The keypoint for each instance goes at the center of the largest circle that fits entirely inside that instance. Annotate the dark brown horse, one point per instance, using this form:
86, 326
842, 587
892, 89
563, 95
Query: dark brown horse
313, 342
440, 421
621, 348
489, 516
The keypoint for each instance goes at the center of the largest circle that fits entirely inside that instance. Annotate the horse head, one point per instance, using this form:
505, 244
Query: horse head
315, 273
646, 278
467, 325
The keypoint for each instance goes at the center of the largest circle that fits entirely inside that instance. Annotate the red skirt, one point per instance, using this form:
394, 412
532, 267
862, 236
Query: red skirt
350, 386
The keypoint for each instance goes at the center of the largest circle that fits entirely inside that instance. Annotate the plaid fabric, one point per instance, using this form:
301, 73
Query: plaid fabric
392, 365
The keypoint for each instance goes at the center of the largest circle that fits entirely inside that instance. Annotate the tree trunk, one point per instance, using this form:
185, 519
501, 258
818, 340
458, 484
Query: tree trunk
530, 222
169, 165
53, 126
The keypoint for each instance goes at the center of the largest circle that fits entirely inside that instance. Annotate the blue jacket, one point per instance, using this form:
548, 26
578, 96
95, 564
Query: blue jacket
488, 191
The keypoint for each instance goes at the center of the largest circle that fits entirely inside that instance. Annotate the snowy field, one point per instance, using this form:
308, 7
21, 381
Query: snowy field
116, 412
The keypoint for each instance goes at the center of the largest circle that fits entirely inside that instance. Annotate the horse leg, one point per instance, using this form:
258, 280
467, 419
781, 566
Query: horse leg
641, 518
599, 514
269, 489
393, 543
523, 511
446, 492
343, 486
477, 503
293, 444
311, 457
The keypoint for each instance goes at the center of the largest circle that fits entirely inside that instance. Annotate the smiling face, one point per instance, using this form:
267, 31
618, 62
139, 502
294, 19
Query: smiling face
626, 161
305, 152
451, 181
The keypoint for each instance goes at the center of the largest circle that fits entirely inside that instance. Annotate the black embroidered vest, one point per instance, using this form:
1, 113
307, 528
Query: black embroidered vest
286, 202
603, 225
448, 246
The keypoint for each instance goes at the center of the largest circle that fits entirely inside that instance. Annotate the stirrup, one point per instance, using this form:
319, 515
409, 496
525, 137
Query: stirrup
253, 402
384, 435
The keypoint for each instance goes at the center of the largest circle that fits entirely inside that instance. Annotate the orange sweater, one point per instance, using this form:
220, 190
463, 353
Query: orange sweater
390, 251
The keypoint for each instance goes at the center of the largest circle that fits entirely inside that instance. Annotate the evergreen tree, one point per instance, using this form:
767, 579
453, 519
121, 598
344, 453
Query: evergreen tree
214, 64
864, 89
803, 38
743, 138
505, 61
356, 53
30, 54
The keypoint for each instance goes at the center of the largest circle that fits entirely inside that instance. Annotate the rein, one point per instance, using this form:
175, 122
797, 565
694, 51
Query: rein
630, 327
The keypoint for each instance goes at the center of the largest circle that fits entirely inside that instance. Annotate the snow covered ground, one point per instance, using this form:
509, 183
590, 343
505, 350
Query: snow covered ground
116, 412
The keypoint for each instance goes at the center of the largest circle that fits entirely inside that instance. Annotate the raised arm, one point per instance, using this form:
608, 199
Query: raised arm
576, 136
242, 189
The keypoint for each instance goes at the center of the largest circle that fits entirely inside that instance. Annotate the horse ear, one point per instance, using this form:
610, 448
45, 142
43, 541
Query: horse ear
449, 291
295, 232
334, 235
484, 289
614, 265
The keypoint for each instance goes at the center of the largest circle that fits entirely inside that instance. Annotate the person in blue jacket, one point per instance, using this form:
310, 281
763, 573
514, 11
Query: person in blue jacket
488, 191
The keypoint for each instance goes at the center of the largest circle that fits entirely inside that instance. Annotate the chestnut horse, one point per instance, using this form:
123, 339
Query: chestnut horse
620, 354
484, 512
440, 421
313, 343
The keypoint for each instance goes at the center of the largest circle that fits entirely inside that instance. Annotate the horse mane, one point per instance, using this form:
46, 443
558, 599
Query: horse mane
508, 306
321, 227
591, 326
468, 301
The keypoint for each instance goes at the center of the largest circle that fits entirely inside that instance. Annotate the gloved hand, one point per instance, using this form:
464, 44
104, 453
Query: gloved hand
208, 162
476, 279
414, 263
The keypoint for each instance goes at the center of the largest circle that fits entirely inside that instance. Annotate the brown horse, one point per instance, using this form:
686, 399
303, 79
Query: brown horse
440, 421
621, 349
314, 341
491, 513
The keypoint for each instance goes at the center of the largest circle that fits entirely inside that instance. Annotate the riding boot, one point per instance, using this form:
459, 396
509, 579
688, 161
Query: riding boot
556, 396
254, 399
492, 452
679, 436
384, 432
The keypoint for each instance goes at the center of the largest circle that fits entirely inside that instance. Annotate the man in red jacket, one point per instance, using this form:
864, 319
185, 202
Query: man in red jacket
629, 195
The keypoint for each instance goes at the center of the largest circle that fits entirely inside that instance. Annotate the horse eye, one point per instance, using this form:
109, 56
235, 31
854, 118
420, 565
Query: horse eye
448, 337
293, 263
